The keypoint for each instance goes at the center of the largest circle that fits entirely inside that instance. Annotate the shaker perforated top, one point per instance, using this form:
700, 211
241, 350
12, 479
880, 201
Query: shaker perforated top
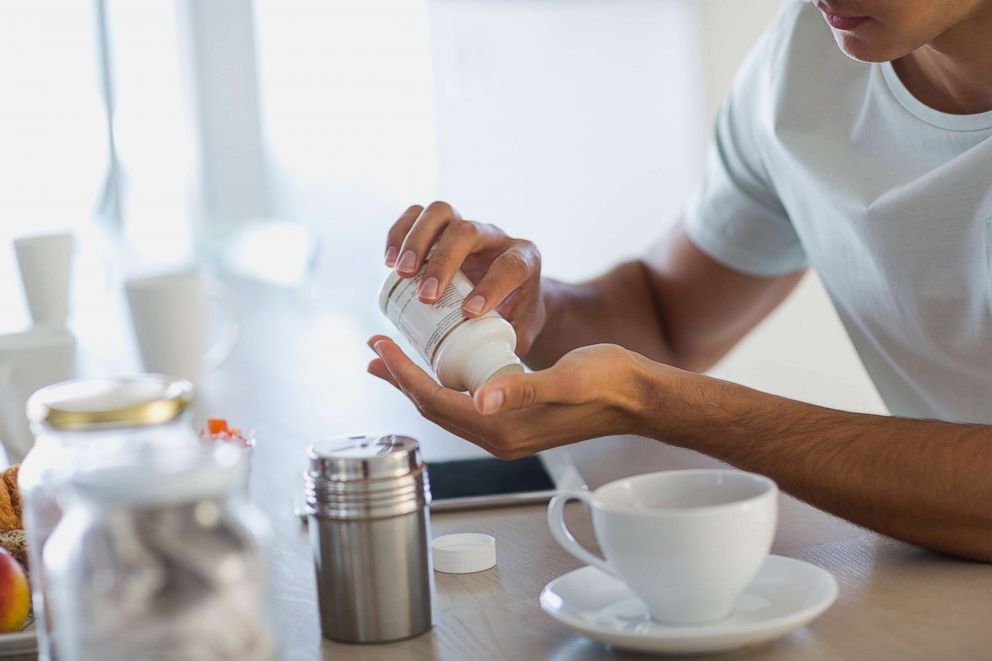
363, 457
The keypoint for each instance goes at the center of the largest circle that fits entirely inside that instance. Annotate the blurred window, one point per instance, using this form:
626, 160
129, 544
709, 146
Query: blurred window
52, 128
53, 157
152, 127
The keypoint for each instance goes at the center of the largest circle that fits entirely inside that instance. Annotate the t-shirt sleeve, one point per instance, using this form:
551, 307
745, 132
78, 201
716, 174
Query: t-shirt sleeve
735, 215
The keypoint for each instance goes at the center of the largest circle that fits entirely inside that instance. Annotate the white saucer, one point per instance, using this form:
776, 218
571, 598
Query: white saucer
785, 595
20, 642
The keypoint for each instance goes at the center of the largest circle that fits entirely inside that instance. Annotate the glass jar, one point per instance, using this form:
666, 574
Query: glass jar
79, 425
160, 558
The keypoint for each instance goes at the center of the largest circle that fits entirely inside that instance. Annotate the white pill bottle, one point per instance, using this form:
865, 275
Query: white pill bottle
464, 353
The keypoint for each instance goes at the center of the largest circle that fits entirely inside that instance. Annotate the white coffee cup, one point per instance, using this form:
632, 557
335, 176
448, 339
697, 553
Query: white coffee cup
169, 314
28, 361
45, 263
687, 542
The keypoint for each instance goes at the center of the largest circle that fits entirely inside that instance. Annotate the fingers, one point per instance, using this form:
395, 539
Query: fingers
422, 235
503, 437
409, 378
399, 230
417, 231
460, 239
519, 391
465, 427
371, 342
378, 368
432, 400
506, 274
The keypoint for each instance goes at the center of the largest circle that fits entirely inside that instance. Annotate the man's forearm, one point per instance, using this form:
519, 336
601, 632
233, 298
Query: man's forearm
926, 482
618, 307
677, 306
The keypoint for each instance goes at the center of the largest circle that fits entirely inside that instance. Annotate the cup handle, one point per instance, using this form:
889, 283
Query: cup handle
6, 387
10, 435
221, 297
562, 535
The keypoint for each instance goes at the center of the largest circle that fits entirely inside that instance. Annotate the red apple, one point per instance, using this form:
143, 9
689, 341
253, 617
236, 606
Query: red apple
15, 595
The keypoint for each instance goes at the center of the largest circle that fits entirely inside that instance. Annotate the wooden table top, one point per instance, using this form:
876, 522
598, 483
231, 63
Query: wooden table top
298, 375
896, 602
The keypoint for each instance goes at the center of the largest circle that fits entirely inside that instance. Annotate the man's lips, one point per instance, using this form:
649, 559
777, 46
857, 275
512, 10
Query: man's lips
839, 22
845, 22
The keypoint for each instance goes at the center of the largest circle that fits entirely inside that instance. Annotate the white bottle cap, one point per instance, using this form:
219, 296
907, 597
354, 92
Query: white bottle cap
464, 553
488, 360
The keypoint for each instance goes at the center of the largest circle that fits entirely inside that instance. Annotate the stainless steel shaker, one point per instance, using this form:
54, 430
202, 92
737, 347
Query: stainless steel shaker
367, 501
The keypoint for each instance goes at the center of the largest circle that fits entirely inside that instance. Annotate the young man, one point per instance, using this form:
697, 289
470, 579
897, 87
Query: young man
871, 164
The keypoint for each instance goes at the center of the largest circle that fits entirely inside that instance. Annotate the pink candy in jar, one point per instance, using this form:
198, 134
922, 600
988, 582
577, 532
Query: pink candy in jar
218, 431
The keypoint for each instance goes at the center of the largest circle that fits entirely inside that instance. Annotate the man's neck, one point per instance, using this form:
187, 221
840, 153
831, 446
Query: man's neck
953, 73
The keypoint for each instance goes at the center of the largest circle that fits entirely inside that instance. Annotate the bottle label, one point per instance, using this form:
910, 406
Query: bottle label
427, 325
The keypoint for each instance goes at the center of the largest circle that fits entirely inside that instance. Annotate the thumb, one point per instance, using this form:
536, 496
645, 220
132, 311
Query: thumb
516, 391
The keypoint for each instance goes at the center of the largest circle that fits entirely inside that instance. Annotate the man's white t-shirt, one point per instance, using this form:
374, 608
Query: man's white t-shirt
823, 161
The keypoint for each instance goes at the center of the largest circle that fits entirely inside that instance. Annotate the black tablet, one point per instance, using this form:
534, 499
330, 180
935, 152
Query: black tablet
491, 482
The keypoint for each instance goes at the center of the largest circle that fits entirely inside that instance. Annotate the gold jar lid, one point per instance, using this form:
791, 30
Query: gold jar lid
136, 401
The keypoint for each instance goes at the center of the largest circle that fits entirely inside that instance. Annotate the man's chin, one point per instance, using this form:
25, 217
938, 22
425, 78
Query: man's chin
864, 50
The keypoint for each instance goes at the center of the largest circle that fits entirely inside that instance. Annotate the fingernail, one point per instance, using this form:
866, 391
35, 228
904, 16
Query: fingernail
407, 262
428, 289
492, 400
475, 304
391, 255
375, 347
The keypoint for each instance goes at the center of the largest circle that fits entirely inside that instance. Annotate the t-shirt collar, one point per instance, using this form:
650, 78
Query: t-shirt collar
978, 122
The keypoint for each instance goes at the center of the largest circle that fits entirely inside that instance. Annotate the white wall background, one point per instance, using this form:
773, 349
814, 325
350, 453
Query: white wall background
580, 124
577, 124
52, 137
